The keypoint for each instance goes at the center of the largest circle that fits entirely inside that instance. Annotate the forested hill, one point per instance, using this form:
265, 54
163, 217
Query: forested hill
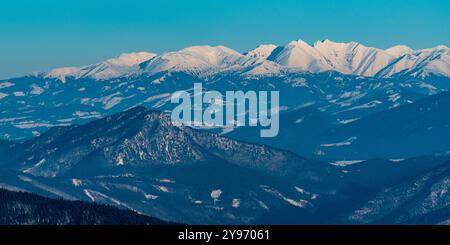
20, 208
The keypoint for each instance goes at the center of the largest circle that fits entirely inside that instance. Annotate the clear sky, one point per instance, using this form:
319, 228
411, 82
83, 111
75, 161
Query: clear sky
40, 35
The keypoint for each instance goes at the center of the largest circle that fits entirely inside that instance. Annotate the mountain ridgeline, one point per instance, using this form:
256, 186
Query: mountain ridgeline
141, 137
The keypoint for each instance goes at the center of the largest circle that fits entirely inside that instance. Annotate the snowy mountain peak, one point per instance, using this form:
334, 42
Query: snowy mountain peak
299, 43
195, 59
326, 55
437, 49
441, 47
130, 59
356, 59
328, 42
421, 63
215, 55
262, 51
321, 41
122, 65
301, 56
399, 50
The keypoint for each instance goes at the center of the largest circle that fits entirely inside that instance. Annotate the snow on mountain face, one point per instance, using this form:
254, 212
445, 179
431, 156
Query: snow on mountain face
421, 63
257, 64
195, 59
353, 58
399, 50
262, 51
300, 56
348, 58
111, 68
262, 68
207, 60
297, 56
356, 59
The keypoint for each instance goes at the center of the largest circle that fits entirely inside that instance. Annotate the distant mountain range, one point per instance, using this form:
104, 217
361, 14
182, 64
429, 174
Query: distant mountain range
347, 58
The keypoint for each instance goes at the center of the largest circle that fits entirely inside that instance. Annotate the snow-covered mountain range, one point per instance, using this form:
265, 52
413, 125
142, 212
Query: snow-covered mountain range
347, 58
345, 80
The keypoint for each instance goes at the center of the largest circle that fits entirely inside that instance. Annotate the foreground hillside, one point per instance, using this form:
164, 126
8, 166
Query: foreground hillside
138, 160
20, 208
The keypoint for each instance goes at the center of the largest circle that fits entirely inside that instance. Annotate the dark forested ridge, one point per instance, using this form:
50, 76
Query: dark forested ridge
21, 208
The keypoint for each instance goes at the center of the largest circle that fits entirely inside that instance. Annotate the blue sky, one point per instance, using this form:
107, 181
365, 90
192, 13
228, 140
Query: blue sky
39, 35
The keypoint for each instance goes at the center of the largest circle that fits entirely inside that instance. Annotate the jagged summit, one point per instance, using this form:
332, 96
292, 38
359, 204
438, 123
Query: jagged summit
263, 51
